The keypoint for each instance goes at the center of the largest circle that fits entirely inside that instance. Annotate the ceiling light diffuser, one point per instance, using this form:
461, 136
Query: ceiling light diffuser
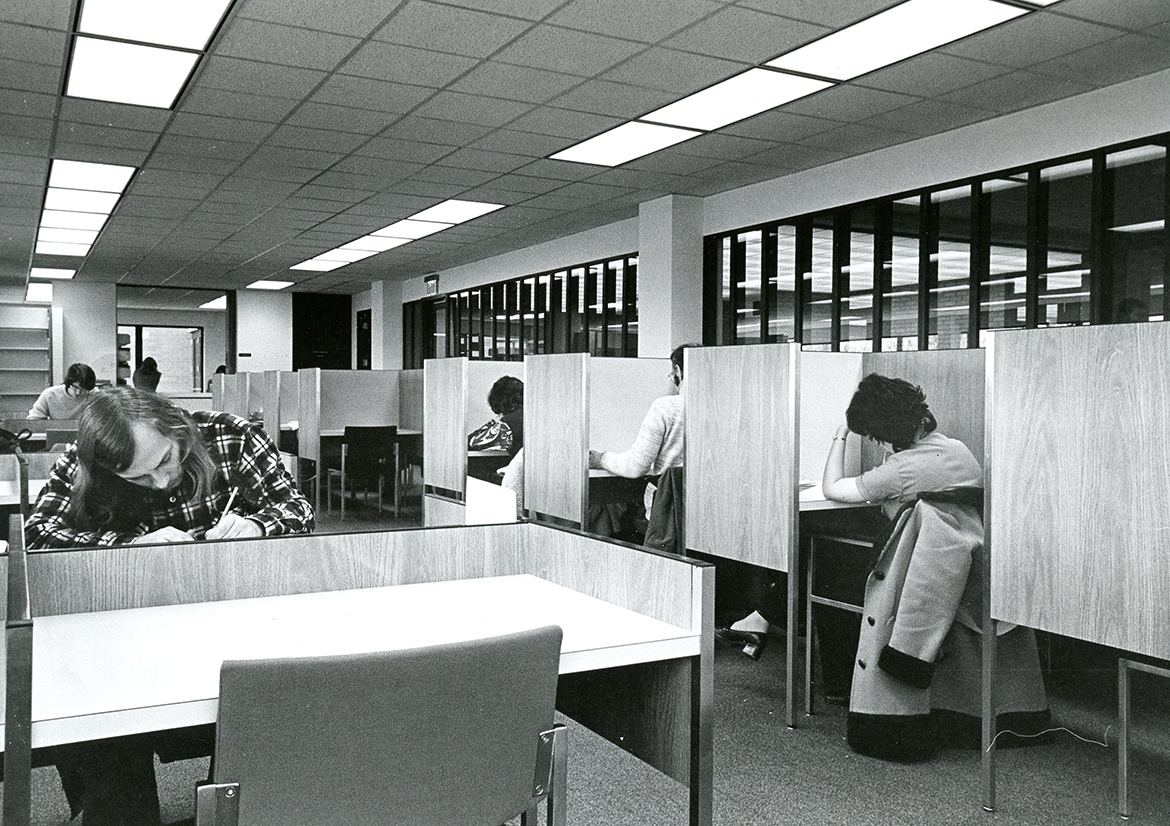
316, 266
186, 25
128, 73
1144, 226
454, 211
903, 31
347, 256
57, 248
51, 272
77, 200
624, 143
215, 304
96, 177
38, 292
68, 236
736, 98
72, 220
374, 243
269, 285
409, 228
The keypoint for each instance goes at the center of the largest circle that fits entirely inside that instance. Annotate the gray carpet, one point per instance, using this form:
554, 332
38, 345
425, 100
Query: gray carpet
767, 774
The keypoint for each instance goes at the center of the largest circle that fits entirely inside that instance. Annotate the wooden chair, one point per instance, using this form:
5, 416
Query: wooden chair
369, 459
459, 734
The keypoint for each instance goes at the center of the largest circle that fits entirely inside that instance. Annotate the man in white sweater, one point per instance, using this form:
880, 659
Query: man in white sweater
659, 443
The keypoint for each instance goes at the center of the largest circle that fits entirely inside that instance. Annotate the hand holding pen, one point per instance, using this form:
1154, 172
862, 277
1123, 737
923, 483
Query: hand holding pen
232, 525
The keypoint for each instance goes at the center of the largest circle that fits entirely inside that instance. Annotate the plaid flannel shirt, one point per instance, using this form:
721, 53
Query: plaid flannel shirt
244, 458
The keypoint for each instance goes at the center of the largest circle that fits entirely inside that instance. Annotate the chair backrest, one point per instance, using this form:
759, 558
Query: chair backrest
369, 450
445, 734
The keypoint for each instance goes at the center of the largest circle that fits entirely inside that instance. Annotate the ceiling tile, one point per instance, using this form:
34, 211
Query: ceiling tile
397, 150
780, 125
526, 9
25, 196
464, 178
621, 100
489, 194
322, 140
102, 112
931, 74
311, 160
353, 17
566, 50
53, 14
176, 179
1010, 92
94, 135
835, 15
75, 151
1030, 39
674, 163
674, 71
236, 75
527, 183
559, 170
31, 44
929, 117
514, 142
498, 162
1132, 14
856, 139
646, 20
367, 93
273, 43
548, 120
1110, 62
746, 35
341, 118
721, 145
485, 111
236, 104
848, 102
371, 169
32, 104
432, 190
402, 64
34, 77
432, 130
205, 147
339, 195
451, 29
505, 80
211, 127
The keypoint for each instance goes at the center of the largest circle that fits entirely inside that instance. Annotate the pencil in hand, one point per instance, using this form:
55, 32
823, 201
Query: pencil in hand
231, 500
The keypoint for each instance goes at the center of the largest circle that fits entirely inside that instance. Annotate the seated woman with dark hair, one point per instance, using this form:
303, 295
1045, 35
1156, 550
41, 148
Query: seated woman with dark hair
506, 399
147, 376
64, 401
143, 470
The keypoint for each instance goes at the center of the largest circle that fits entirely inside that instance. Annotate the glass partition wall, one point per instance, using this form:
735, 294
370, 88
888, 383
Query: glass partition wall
588, 308
1079, 240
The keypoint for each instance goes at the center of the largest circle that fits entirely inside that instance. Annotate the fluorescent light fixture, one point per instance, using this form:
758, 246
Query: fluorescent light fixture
374, 243
345, 256
72, 220
408, 228
51, 272
186, 25
57, 248
736, 98
624, 143
316, 266
128, 73
215, 304
269, 285
1145, 226
38, 292
67, 236
454, 211
77, 200
903, 31
96, 177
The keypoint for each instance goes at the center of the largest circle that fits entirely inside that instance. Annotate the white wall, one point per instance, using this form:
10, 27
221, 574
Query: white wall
90, 322
263, 329
361, 301
386, 335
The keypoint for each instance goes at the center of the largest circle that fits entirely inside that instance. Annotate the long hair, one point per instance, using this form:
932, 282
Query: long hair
889, 410
102, 500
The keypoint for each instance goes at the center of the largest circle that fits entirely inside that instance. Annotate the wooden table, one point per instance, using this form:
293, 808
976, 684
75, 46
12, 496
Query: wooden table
123, 672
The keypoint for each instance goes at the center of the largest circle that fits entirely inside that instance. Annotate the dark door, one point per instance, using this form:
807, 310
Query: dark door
364, 320
321, 331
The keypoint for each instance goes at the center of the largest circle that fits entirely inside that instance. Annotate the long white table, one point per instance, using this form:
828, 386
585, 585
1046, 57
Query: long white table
10, 491
146, 669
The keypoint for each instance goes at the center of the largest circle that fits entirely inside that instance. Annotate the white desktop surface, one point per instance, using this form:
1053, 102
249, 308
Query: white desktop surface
147, 669
10, 491
813, 498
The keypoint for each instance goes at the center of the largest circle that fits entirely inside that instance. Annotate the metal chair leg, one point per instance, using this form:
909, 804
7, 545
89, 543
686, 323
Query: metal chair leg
1123, 737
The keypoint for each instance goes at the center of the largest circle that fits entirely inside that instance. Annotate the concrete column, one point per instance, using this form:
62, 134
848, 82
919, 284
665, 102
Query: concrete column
670, 274
386, 325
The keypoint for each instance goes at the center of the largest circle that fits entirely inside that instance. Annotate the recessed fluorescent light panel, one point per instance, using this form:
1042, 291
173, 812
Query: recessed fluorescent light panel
736, 98
269, 285
95, 177
215, 304
56, 248
421, 224
79, 199
38, 292
128, 72
624, 143
51, 272
187, 25
455, 211
72, 220
903, 31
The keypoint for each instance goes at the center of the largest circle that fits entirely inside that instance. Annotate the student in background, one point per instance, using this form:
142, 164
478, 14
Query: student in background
221, 369
145, 471
147, 375
659, 443
64, 401
506, 399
